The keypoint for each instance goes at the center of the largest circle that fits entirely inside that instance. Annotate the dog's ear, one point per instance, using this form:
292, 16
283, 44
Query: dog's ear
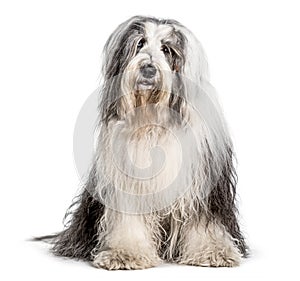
119, 47
194, 66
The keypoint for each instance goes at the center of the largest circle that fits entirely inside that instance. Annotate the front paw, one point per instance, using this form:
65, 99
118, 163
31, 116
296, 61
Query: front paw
124, 259
217, 257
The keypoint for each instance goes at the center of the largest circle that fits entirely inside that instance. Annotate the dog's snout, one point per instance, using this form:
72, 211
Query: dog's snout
148, 71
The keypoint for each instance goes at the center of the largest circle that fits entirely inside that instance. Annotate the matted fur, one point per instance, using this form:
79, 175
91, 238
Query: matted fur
200, 227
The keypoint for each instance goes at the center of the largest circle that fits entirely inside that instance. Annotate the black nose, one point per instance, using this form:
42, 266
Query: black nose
148, 71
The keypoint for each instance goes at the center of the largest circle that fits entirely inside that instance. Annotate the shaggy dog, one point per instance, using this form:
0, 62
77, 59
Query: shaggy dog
162, 184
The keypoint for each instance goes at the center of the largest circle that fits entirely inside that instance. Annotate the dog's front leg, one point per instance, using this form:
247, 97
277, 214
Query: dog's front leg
127, 243
209, 244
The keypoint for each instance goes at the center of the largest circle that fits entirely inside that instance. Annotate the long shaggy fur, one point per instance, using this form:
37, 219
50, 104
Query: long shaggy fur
195, 222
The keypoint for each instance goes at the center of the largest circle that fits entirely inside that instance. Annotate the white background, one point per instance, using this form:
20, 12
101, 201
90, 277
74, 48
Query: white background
50, 63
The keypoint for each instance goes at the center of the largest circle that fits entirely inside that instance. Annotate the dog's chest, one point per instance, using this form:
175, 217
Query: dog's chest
149, 157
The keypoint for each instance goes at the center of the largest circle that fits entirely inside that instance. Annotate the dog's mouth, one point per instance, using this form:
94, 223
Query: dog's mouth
145, 84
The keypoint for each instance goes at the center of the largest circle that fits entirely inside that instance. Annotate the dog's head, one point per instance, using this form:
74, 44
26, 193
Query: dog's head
145, 60
157, 55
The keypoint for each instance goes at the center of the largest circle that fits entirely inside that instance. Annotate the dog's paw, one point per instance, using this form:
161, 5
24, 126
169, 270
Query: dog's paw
123, 259
218, 257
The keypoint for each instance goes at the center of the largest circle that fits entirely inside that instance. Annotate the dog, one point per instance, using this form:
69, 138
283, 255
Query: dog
162, 184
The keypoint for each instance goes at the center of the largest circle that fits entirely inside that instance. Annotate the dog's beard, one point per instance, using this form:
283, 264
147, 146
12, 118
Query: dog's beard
146, 91
150, 95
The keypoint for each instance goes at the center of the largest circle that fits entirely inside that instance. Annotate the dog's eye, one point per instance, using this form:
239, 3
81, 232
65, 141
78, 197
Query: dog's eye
140, 44
166, 50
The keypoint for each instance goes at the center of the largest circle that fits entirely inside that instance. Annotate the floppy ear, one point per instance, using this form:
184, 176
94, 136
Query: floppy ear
118, 50
195, 65
215, 145
120, 47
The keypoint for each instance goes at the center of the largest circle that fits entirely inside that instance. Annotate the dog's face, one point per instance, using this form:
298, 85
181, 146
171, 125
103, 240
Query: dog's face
157, 56
148, 57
